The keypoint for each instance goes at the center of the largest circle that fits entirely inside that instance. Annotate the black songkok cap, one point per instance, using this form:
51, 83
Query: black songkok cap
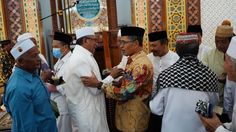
66, 38
132, 31
194, 29
5, 42
154, 36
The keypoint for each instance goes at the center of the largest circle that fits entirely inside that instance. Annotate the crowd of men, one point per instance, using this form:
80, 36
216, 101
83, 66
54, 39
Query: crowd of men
159, 91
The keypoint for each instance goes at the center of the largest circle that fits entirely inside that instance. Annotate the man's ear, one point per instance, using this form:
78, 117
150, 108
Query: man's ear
85, 40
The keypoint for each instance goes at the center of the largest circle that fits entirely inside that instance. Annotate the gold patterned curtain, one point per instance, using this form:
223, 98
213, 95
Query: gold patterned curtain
20, 16
171, 15
2, 23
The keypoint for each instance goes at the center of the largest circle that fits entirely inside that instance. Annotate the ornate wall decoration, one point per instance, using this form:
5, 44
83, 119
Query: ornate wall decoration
31, 19
213, 12
176, 20
193, 12
140, 8
99, 24
156, 10
14, 19
2, 24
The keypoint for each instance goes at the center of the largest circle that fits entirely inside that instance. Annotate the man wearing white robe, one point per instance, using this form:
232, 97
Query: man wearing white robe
61, 51
181, 86
214, 124
86, 105
161, 58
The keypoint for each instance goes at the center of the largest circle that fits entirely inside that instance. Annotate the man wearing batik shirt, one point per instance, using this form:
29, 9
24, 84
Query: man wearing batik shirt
181, 86
6, 63
134, 88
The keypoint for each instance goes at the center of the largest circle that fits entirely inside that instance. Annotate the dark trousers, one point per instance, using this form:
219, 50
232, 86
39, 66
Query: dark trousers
154, 123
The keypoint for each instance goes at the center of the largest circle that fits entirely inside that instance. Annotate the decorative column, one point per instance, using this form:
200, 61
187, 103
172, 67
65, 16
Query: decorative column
13, 17
156, 15
32, 19
176, 20
2, 23
140, 19
193, 12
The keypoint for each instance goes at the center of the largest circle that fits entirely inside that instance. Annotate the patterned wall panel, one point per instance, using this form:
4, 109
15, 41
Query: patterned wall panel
31, 18
100, 23
14, 18
141, 19
2, 24
176, 20
213, 12
156, 10
193, 12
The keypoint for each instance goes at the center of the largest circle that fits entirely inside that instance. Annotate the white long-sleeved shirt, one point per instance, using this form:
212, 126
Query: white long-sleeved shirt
230, 127
162, 63
178, 108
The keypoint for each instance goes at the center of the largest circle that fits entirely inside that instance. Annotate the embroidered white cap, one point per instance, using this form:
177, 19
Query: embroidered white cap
21, 47
85, 31
231, 51
24, 36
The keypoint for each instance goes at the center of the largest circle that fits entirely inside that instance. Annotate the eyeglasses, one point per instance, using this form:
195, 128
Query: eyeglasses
122, 42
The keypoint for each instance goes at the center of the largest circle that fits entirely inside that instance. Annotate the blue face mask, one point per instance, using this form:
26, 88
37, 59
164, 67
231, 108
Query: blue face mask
56, 53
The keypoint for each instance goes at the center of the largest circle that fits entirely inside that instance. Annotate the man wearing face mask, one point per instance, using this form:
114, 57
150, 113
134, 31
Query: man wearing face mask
61, 51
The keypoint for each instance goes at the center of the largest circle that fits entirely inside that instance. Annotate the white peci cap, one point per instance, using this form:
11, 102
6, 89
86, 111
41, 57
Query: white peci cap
85, 31
24, 36
21, 47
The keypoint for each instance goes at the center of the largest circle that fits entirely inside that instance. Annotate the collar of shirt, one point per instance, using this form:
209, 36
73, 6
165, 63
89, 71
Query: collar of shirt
79, 48
164, 56
64, 58
27, 75
136, 55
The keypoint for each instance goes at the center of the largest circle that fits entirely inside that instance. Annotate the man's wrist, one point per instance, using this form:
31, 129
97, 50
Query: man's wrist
99, 86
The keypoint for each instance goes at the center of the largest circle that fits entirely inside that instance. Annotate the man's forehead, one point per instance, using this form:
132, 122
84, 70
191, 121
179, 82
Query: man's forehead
124, 37
154, 42
91, 36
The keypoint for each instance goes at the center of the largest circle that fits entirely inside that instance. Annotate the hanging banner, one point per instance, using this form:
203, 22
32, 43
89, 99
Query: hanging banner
88, 9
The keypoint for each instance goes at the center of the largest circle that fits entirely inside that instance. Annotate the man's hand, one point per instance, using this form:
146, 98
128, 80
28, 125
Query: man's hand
46, 75
51, 88
116, 72
211, 124
91, 81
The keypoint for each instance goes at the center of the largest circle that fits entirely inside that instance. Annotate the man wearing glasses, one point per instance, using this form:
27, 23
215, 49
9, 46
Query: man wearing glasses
134, 88
86, 105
